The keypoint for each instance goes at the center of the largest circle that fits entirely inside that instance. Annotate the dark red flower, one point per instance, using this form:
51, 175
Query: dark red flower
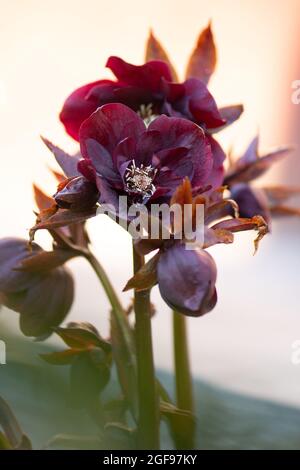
124, 157
42, 297
186, 280
147, 89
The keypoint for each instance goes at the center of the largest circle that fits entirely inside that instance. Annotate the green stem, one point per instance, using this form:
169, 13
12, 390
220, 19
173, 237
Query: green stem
148, 420
112, 296
125, 350
183, 379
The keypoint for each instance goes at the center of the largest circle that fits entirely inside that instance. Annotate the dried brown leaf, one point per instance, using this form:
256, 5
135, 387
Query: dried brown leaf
146, 277
203, 60
155, 51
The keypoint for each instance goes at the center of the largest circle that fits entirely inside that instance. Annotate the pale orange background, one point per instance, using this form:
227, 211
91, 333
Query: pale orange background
47, 48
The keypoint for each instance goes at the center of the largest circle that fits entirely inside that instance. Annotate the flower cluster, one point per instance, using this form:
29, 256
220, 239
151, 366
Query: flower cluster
145, 142
150, 138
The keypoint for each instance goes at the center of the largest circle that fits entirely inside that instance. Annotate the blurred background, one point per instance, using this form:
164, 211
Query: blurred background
49, 48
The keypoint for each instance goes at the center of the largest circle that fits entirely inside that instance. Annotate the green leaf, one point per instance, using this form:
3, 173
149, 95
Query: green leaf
87, 380
126, 367
14, 435
81, 336
4, 442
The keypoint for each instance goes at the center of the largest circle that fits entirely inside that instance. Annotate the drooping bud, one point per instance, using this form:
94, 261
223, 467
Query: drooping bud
43, 298
186, 280
251, 201
76, 194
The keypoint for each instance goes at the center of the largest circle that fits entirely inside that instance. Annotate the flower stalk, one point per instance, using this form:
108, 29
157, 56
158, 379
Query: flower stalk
111, 295
125, 333
183, 379
148, 421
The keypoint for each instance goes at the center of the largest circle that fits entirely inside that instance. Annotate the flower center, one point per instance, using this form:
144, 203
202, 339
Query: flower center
146, 113
139, 179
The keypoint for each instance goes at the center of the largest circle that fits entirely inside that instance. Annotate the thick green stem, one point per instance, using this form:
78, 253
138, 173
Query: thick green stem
111, 294
183, 379
125, 347
148, 418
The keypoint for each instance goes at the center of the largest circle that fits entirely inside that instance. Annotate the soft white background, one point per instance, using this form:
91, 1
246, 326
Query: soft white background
48, 48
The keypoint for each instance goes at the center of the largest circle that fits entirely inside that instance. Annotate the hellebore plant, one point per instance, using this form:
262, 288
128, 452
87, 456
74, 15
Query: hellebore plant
148, 138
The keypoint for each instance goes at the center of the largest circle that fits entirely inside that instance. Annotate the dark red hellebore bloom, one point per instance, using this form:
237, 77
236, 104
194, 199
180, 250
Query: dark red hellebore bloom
147, 89
124, 157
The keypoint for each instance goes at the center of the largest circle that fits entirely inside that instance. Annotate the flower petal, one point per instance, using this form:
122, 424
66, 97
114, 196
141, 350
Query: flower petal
77, 108
149, 143
217, 174
146, 76
202, 104
47, 303
108, 126
12, 252
230, 114
179, 132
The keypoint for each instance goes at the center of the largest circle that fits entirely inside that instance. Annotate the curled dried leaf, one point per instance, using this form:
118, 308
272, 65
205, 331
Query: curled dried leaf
214, 237
220, 210
54, 218
256, 223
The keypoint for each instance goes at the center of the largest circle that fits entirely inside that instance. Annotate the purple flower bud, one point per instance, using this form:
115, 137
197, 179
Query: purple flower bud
186, 280
43, 298
77, 194
251, 201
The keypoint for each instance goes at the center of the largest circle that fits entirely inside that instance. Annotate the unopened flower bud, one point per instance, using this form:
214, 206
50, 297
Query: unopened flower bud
76, 194
186, 280
251, 201
43, 298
